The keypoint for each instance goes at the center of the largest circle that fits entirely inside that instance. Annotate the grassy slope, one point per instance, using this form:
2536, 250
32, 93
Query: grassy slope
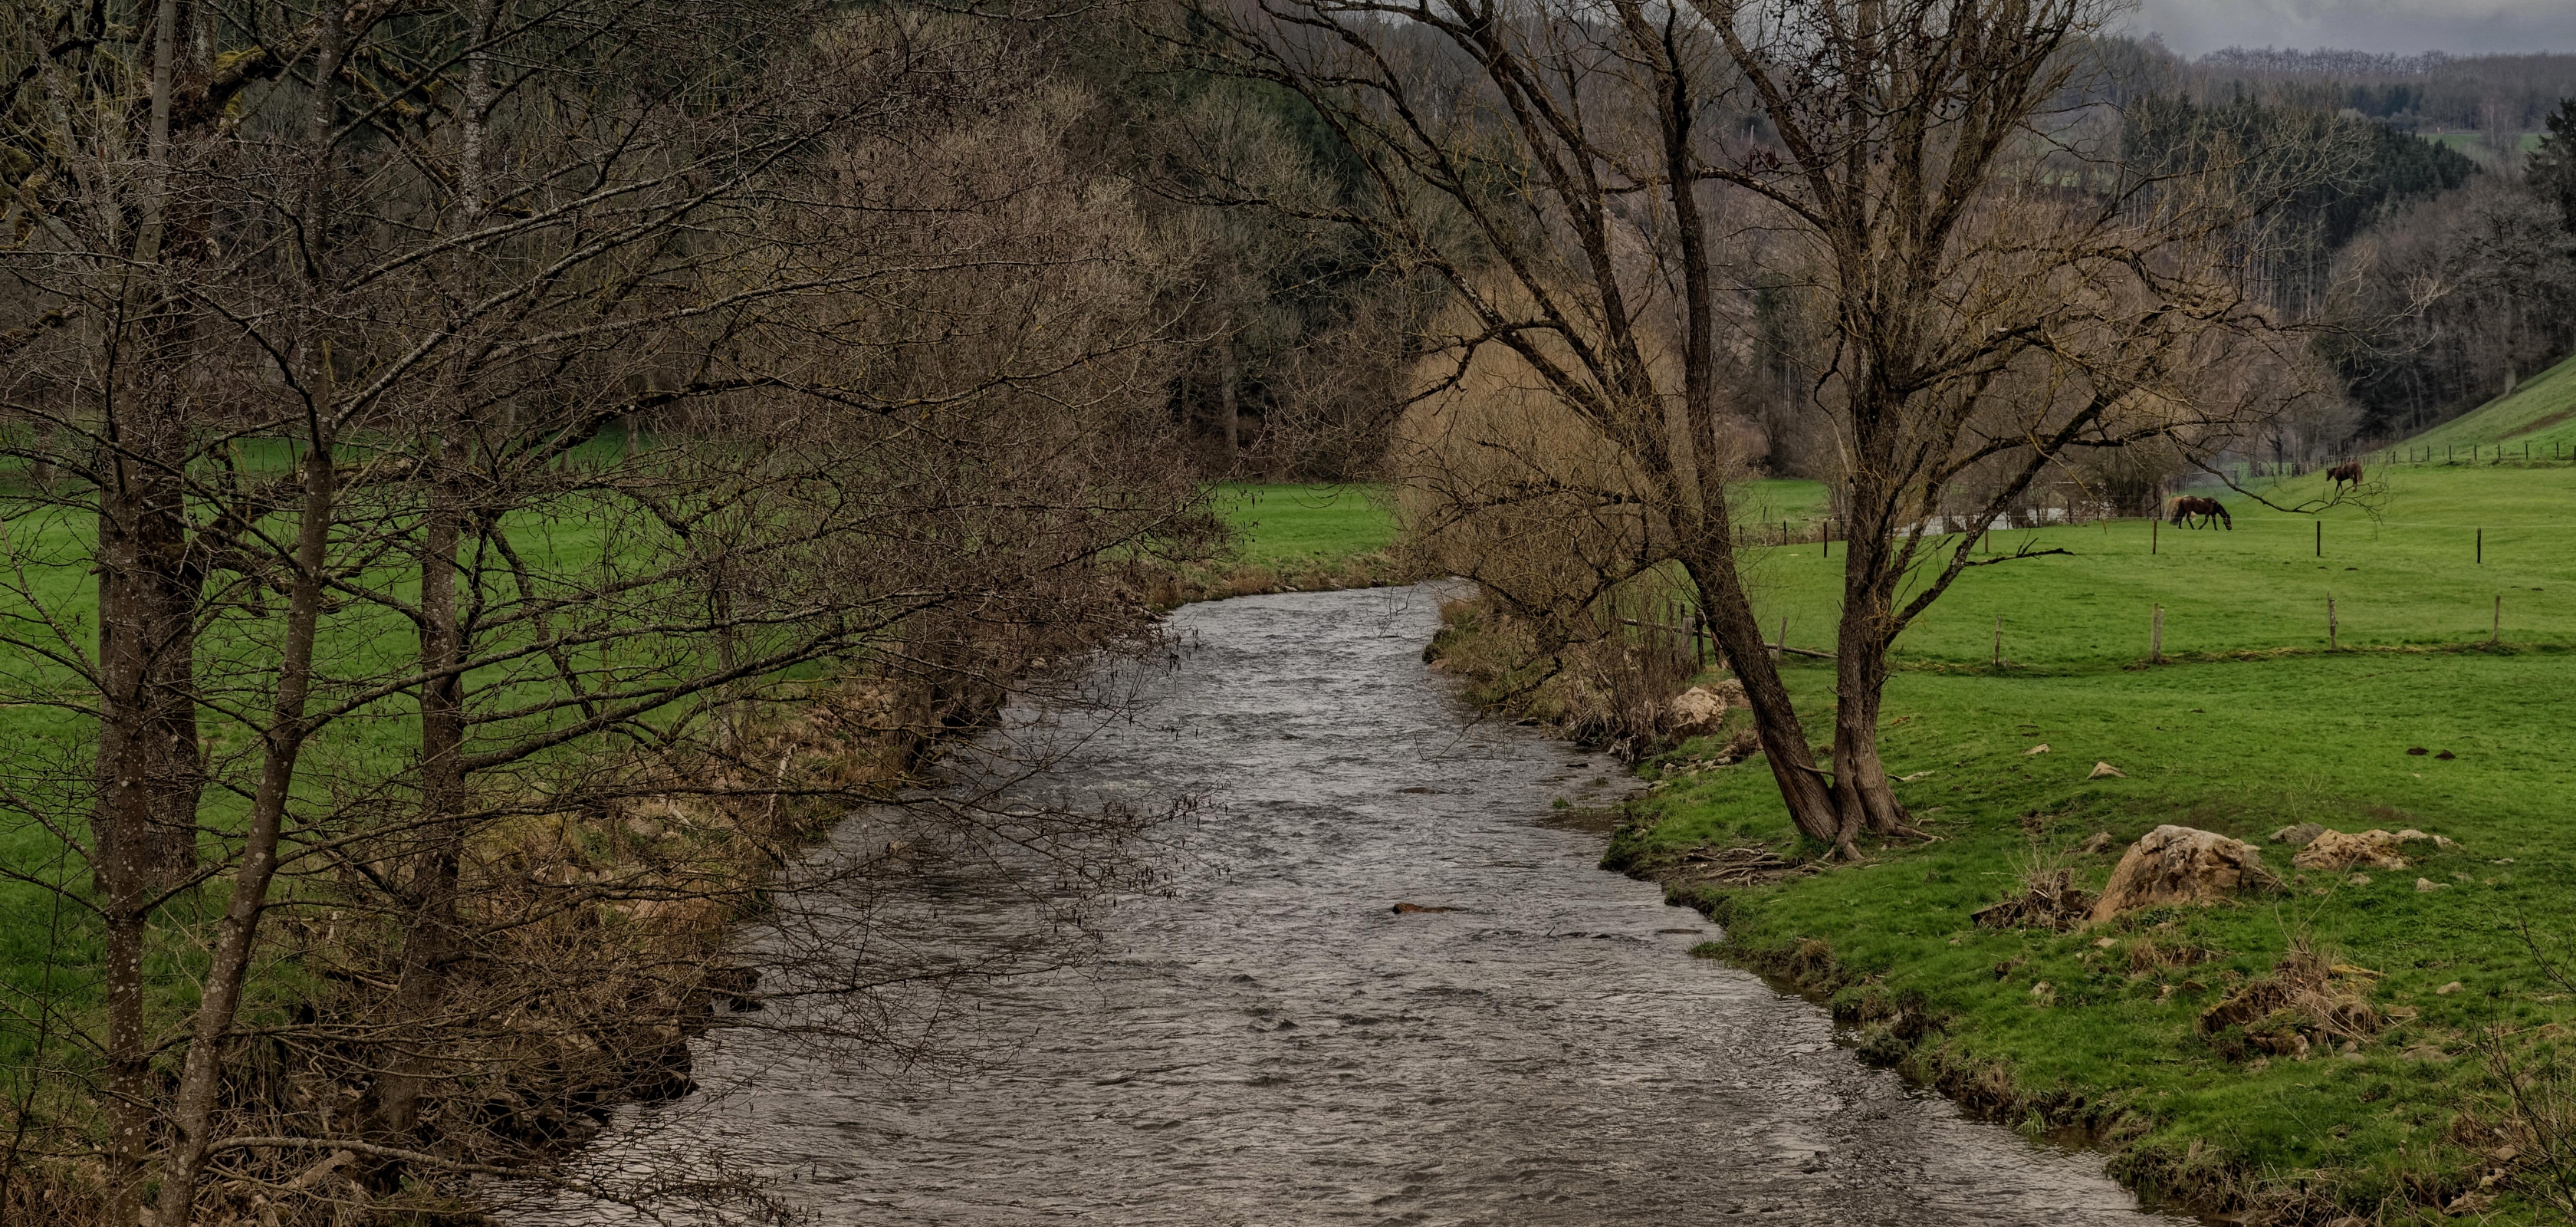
2238, 744
2540, 411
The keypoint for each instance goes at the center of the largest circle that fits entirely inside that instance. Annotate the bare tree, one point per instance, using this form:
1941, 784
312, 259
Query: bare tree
1602, 189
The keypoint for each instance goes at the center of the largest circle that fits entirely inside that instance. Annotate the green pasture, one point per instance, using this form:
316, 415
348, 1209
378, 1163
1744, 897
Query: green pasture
1285, 527
2403, 567
2254, 727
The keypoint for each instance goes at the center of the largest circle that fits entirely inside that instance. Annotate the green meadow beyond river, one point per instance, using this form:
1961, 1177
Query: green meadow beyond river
1270, 1042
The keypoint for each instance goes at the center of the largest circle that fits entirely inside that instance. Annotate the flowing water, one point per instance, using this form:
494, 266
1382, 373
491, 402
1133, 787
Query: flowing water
1271, 1043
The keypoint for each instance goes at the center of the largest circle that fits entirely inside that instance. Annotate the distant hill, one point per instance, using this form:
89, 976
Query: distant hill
2540, 411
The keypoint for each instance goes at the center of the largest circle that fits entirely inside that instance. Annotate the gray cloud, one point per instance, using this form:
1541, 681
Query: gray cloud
2463, 27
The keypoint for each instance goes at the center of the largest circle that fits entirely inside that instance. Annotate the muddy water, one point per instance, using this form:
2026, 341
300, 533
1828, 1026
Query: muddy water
1271, 1044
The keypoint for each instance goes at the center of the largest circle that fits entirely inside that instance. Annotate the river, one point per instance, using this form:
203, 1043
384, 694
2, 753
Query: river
1269, 1042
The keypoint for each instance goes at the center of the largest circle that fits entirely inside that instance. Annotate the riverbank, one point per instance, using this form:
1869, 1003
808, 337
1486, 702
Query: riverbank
1291, 538
2447, 1097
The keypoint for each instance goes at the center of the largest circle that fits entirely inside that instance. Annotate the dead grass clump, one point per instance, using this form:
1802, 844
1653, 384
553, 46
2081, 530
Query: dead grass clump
2046, 898
2160, 953
1251, 581
2307, 1000
1811, 963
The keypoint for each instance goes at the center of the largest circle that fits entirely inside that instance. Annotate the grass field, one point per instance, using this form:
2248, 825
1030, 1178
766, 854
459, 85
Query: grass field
1285, 527
2407, 573
2255, 727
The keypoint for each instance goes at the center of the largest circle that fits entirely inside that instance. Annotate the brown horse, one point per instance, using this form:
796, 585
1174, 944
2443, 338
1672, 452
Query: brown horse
2347, 472
2208, 509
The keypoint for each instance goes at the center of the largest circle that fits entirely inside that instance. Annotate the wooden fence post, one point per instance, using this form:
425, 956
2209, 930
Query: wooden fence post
1781, 648
2156, 638
2321, 538
2330, 622
1999, 641
2155, 525
2482, 547
2495, 633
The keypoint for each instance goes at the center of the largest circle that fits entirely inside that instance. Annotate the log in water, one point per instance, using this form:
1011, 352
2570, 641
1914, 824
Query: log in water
1272, 1043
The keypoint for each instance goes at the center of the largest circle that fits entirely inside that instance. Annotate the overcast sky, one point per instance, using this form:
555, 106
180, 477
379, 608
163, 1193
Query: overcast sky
2464, 27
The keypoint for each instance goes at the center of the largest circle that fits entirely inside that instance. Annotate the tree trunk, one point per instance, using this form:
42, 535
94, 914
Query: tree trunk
228, 966
433, 937
1863, 802
1775, 719
1226, 375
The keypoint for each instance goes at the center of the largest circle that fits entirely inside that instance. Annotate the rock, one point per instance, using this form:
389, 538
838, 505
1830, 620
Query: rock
2359, 879
2427, 885
1402, 909
2106, 771
2448, 989
2299, 836
2099, 844
1698, 711
2411, 835
2337, 850
2175, 864
2426, 1052
2041, 748
2446, 843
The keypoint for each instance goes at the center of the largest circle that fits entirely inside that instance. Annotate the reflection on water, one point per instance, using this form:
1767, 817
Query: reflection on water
1273, 1043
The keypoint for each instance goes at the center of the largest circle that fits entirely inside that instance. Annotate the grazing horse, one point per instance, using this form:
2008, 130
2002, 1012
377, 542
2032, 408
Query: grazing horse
2208, 509
2347, 472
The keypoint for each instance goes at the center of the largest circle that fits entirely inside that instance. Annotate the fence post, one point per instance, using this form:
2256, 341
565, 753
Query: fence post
2321, 538
2482, 547
1780, 650
2155, 525
1999, 641
2156, 638
2330, 622
2495, 633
